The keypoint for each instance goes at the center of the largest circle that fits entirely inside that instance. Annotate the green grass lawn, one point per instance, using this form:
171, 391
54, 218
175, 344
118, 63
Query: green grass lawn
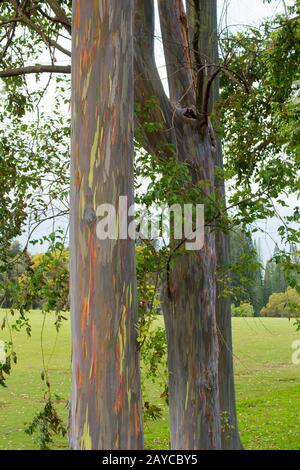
267, 385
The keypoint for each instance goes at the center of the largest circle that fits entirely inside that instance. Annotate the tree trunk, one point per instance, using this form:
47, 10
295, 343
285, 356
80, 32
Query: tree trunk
189, 296
197, 316
189, 306
105, 408
230, 433
193, 351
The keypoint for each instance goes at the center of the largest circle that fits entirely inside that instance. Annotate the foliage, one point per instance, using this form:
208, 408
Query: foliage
242, 310
45, 284
34, 166
46, 423
259, 122
11, 357
34, 134
151, 339
246, 270
16, 262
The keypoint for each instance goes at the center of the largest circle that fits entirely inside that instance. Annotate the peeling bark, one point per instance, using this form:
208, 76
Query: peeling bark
105, 408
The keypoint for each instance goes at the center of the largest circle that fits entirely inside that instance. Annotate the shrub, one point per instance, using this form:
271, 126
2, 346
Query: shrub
283, 304
243, 310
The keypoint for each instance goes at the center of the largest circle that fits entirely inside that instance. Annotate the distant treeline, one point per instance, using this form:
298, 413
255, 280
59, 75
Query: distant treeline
36, 281
251, 281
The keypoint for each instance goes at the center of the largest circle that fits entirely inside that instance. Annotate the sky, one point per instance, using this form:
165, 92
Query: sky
235, 14
250, 12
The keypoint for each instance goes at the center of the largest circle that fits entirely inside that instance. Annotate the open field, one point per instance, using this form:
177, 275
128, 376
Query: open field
267, 385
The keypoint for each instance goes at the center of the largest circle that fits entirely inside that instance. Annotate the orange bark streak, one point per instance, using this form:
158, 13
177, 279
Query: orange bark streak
84, 315
84, 60
119, 402
79, 377
83, 347
77, 17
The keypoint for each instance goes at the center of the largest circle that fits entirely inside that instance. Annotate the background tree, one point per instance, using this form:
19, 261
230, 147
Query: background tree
274, 280
243, 310
246, 270
282, 304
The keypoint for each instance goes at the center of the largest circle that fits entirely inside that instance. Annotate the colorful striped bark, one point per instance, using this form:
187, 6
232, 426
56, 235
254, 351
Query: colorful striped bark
189, 293
207, 40
105, 407
197, 315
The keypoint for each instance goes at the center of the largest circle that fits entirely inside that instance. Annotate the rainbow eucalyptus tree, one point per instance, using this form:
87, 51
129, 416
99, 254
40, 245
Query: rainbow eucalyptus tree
105, 408
197, 315
105, 401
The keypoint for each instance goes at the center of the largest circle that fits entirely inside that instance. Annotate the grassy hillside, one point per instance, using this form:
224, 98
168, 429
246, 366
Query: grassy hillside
267, 384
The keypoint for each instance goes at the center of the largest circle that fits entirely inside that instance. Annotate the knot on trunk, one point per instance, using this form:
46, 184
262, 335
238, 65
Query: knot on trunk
89, 216
187, 114
190, 112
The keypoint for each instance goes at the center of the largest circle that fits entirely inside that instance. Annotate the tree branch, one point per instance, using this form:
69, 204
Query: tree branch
210, 82
10, 21
47, 40
174, 30
148, 84
24, 18
35, 69
53, 20
203, 44
61, 15
207, 94
10, 35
